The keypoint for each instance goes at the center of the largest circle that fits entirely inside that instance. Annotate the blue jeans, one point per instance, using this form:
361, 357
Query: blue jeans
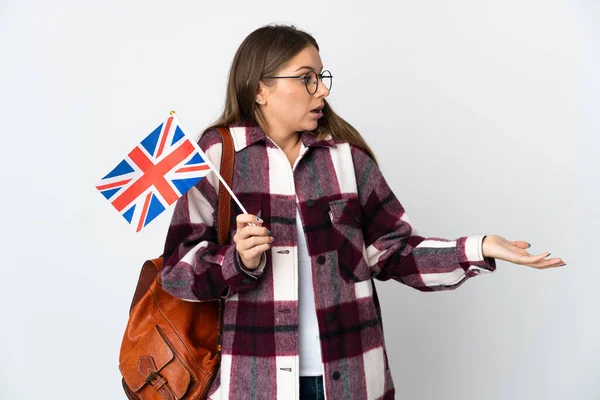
311, 388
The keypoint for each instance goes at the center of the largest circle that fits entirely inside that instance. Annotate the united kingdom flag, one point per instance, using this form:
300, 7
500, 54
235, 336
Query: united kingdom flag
162, 168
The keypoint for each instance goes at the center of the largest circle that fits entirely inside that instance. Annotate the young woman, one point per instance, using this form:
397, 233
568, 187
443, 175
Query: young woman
302, 318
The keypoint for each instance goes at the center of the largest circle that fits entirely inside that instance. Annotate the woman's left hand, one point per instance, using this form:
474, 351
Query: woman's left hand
497, 247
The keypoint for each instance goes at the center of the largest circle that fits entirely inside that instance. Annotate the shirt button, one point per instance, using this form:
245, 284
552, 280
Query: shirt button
321, 259
310, 203
246, 281
330, 317
336, 375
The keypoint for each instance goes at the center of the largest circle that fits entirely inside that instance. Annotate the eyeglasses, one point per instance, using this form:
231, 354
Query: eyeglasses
310, 80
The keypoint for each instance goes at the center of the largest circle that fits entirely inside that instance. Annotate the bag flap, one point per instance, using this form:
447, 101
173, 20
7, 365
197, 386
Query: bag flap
151, 354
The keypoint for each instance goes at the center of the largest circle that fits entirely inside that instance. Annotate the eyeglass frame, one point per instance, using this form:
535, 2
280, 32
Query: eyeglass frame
319, 78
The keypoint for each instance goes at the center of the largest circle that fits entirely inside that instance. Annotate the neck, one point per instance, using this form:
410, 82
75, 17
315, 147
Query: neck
285, 139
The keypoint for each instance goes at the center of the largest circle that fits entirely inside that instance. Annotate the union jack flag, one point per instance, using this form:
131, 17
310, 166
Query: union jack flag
162, 168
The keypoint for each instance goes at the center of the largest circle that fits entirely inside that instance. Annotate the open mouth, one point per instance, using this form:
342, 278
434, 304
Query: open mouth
317, 110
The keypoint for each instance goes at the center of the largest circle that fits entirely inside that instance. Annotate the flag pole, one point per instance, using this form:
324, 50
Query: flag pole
214, 170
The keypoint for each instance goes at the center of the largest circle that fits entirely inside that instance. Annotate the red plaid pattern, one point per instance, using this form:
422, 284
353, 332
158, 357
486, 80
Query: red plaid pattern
356, 230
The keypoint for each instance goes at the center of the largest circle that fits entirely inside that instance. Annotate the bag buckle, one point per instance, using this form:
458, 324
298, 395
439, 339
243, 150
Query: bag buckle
150, 377
155, 380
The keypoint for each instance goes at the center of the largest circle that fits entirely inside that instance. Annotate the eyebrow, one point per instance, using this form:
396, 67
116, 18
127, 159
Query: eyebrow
307, 67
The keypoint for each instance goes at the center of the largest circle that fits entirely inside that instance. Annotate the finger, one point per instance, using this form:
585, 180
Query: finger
244, 219
520, 244
252, 241
248, 231
547, 263
529, 259
256, 251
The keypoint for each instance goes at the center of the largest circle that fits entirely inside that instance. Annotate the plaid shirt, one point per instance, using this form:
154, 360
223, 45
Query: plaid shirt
355, 229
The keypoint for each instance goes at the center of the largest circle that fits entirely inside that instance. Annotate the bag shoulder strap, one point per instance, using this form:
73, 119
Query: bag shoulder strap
224, 212
224, 198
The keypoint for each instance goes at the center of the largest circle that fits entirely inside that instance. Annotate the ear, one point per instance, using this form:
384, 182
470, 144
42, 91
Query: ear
262, 94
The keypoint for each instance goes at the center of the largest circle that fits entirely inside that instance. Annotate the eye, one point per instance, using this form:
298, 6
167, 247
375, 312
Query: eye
305, 78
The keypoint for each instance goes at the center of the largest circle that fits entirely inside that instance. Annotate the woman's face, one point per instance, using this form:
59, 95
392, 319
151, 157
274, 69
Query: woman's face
285, 103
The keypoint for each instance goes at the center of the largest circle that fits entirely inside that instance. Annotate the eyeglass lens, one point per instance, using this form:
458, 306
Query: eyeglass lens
312, 82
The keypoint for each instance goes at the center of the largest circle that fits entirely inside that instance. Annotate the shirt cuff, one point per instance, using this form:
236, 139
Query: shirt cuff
236, 275
258, 270
474, 258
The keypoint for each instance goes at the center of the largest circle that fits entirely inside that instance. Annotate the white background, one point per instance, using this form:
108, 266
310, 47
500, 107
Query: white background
481, 113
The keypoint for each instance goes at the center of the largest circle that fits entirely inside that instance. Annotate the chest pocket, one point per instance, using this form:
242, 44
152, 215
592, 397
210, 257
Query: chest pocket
345, 215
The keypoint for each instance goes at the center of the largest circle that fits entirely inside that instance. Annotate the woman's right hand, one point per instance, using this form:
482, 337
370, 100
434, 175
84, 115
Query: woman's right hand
251, 239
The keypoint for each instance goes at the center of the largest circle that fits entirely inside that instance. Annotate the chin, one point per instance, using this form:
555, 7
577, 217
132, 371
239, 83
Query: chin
311, 126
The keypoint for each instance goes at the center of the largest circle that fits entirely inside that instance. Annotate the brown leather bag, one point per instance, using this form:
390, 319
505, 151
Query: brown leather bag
171, 347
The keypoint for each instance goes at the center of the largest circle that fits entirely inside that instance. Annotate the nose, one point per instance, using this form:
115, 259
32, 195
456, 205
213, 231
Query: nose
322, 90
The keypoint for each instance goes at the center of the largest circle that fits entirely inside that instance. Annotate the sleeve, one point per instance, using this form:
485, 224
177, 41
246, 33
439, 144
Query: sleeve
392, 249
195, 266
